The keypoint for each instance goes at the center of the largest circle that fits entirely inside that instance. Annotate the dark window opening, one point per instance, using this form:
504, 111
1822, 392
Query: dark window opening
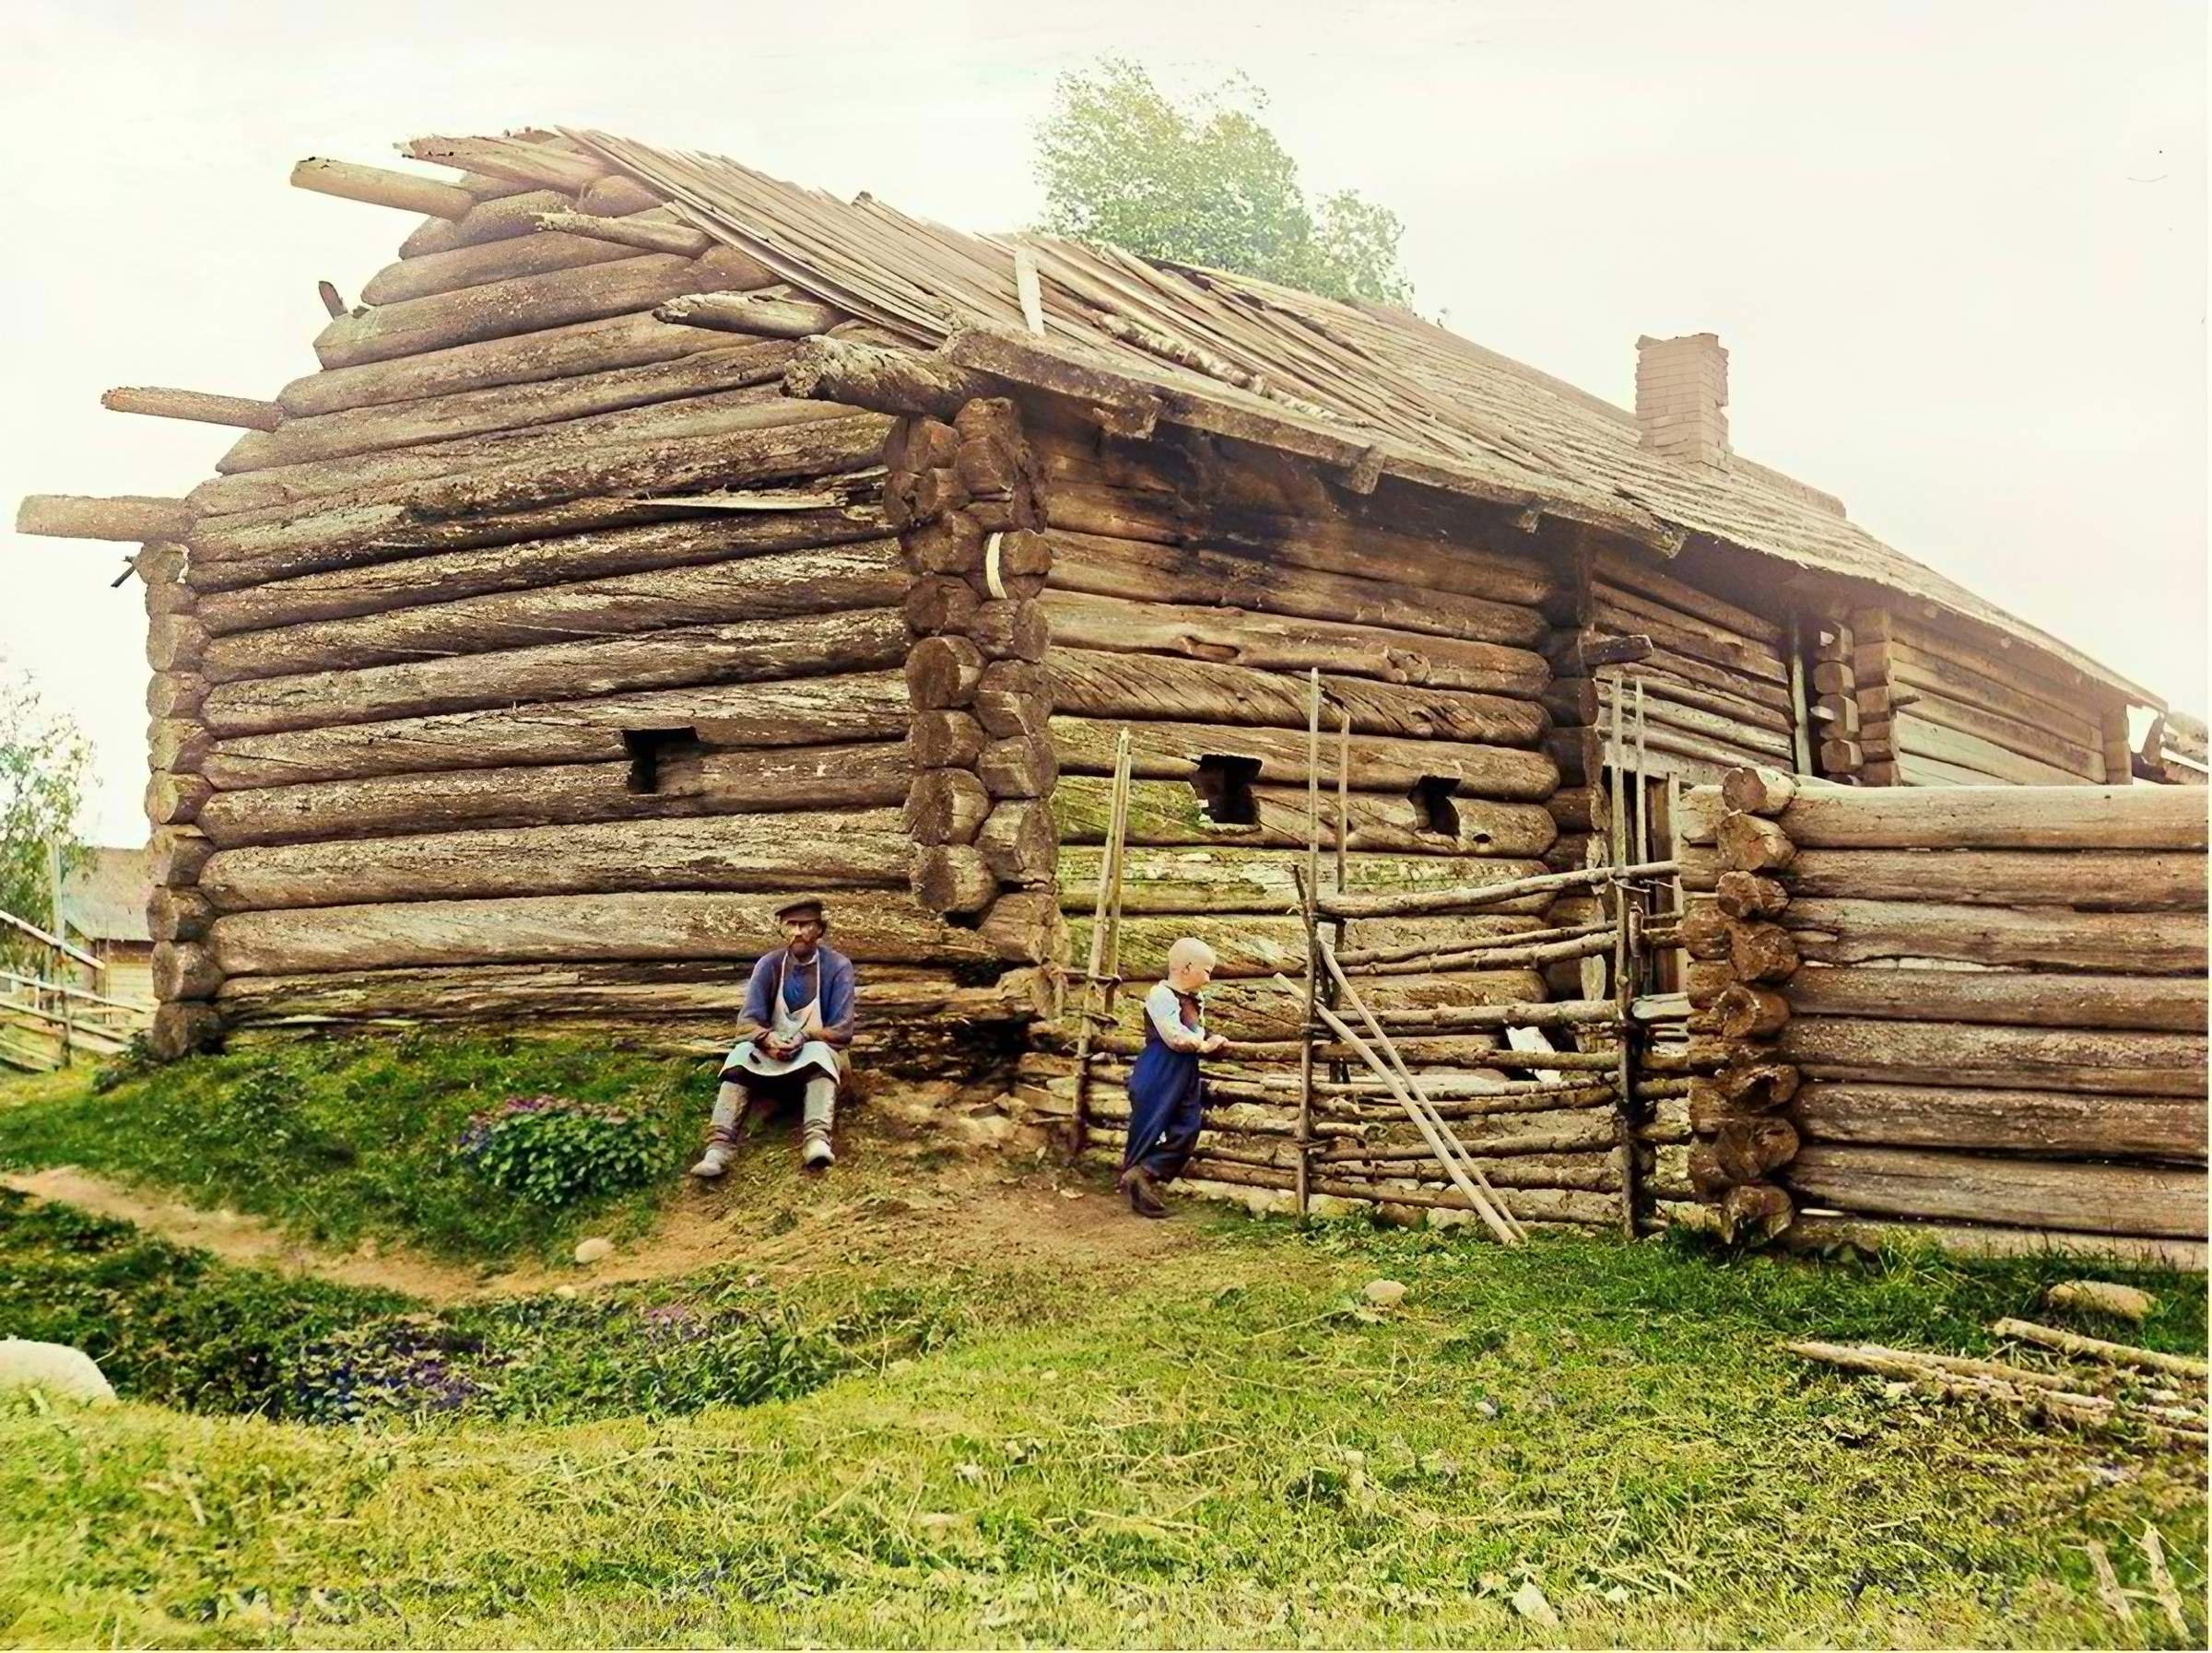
1433, 810
648, 748
1224, 789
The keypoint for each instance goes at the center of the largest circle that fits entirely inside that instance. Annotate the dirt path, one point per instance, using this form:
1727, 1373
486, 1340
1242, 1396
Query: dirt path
980, 1209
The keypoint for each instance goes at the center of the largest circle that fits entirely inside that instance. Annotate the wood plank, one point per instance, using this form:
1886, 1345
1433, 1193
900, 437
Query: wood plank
1680, 633
1911, 736
1225, 880
2030, 740
1621, 569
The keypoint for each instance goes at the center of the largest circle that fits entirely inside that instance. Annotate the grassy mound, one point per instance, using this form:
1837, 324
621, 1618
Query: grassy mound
344, 1140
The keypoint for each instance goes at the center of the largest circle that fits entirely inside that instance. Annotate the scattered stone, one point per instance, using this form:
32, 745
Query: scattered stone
565, 1291
598, 1249
972, 1474
1486, 1409
1530, 1604
2101, 1296
56, 1367
1385, 1294
1071, 1193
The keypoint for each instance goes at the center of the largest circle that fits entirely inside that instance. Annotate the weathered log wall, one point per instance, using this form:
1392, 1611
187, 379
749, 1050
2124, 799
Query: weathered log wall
1938, 708
534, 651
1983, 1007
1194, 586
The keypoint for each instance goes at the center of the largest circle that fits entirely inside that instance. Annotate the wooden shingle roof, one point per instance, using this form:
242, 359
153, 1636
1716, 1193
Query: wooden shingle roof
1367, 387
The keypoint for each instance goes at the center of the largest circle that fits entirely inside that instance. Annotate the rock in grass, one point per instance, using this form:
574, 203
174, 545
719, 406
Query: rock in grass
596, 1249
1385, 1294
54, 1368
2101, 1296
1531, 1603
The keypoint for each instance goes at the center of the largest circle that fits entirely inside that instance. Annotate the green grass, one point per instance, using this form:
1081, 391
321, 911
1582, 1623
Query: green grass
347, 1139
1216, 1444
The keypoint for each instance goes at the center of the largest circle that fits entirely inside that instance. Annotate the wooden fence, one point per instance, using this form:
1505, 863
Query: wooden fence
1971, 1013
45, 1022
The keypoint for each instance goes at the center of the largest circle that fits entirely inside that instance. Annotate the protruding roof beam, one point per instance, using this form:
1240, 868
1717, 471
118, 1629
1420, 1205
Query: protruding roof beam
115, 517
162, 403
381, 186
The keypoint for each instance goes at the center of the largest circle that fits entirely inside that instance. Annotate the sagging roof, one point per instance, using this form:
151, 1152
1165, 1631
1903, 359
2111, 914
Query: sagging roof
1373, 389
105, 899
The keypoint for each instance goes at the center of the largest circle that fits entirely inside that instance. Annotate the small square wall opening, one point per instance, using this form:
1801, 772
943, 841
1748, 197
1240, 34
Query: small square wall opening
647, 747
1433, 810
1224, 787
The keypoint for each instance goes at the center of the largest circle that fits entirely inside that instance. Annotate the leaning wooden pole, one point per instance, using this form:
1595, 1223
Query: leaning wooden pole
1107, 905
1310, 890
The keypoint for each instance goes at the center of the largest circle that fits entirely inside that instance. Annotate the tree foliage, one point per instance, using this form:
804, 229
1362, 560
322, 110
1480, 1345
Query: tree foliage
1204, 182
43, 762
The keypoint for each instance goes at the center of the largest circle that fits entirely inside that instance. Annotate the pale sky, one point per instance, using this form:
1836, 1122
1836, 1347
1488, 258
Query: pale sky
1956, 250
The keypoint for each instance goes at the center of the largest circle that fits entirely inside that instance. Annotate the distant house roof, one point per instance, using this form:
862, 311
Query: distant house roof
105, 900
1372, 388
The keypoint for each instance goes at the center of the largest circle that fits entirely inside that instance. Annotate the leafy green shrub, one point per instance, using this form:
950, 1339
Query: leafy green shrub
552, 1151
136, 1062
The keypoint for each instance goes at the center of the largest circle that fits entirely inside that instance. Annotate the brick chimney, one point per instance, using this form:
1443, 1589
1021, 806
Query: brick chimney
1682, 397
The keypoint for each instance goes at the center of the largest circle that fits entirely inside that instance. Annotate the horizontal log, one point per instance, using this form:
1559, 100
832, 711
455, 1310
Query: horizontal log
1852, 931
1229, 879
652, 231
770, 781
640, 992
1670, 628
828, 850
1623, 570
1168, 750
1534, 890
1260, 1008
744, 404
549, 353
2057, 1123
2095, 1060
450, 575
888, 927
491, 219
1909, 735
1090, 683
895, 381
1258, 945
1182, 574
113, 517
2011, 998
486, 261
382, 186
1920, 675
768, 591
1702, 675
523, 160
808, 712
2031, 669
696, 395
1998, 817
334, 530
524, 304
1171, 813
2029, 741
761, 315
2116, 880
1370, 550
1284, 643
1672, 725
199, 406
1817, 1231
2026, 1193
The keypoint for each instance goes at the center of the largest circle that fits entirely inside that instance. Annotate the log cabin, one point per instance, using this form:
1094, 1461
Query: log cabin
658, 539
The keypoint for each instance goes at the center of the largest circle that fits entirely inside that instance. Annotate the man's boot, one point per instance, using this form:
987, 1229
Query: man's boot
820, 1118
713, 1162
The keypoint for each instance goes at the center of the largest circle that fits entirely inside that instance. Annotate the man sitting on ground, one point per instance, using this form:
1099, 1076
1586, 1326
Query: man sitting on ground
797, 1022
